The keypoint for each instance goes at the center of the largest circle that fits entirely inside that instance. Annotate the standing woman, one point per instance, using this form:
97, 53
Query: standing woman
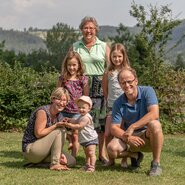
44, 136
95, 55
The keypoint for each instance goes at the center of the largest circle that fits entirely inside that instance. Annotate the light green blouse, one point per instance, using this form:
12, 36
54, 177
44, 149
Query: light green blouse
94, 59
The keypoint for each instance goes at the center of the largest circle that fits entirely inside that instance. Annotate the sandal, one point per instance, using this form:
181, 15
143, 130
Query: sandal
90, 168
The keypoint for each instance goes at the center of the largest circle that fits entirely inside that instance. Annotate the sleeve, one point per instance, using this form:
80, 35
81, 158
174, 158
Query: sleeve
83, 121
85, 80
151, 98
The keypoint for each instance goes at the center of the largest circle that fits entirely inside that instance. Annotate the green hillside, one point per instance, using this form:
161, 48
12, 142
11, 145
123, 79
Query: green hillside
177, 34
27, 42
21, 41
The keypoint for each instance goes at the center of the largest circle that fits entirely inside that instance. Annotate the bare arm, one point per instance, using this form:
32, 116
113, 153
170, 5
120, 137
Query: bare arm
118, 132
107, 54
40, 129
131, 140
105, 84
153, 114
79, 125
86, 89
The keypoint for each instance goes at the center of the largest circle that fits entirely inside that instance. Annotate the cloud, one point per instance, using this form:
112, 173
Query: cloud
19, 14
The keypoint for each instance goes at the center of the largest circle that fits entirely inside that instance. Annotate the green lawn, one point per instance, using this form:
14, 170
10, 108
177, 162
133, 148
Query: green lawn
13, 172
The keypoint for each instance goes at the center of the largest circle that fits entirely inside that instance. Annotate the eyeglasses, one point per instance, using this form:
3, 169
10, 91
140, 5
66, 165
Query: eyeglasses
61, 100
88, 28
127, 82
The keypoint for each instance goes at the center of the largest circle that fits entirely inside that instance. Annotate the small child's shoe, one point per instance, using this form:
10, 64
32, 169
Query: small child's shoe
90, 168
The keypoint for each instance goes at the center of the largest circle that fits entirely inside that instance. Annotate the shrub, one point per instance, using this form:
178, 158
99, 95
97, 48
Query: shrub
21, 91
170, 89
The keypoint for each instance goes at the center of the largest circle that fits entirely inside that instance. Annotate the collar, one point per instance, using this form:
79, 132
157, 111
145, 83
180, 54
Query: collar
124, 99
97, 41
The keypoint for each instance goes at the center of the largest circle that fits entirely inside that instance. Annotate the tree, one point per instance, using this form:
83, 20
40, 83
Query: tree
2, 44
125, 37
58, 41
180, 62
156, 29
153, 37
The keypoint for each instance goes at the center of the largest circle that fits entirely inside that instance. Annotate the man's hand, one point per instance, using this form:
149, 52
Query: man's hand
135, 141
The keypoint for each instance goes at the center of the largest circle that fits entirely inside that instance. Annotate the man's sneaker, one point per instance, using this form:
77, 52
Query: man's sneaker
155, 169
135, 163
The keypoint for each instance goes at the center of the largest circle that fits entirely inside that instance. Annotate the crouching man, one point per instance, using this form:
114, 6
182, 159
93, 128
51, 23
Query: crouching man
135, 123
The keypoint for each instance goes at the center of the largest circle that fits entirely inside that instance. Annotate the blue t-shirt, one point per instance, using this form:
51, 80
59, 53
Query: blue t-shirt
122, 110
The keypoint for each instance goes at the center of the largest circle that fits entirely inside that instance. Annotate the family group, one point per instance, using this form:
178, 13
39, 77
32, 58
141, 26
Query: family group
97, 102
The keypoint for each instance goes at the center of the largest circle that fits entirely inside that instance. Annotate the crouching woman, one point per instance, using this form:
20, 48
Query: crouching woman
44, 136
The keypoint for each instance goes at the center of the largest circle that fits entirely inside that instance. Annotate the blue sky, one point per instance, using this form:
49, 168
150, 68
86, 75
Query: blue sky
20, 14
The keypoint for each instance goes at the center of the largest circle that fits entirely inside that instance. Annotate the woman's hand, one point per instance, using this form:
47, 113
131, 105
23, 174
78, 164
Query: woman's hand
61, 124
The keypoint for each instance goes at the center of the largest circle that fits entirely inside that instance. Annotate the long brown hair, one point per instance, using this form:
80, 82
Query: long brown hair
64, 72
119, 47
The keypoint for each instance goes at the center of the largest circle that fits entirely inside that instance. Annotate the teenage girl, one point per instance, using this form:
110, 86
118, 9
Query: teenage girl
73, 79
112, 89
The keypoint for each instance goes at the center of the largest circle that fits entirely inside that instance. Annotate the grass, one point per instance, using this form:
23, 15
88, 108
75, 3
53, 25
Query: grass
13, 172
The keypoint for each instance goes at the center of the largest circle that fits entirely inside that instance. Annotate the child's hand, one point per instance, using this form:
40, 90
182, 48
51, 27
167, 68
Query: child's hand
68, 125
65, 119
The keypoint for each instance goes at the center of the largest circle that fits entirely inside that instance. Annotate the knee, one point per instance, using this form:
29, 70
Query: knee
91, 153
75, 137
112, 150
58, 131
155, 126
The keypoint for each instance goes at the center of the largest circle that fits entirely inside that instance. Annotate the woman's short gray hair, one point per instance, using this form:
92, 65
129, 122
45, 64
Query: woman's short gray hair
89, 19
